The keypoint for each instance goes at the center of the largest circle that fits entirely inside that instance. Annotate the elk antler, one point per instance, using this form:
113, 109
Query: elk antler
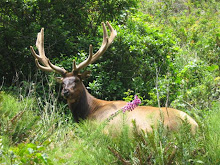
93, 57
47, 65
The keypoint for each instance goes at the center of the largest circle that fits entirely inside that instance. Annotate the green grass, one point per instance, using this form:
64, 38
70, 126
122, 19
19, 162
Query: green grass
213, 133
63, 142
24, 123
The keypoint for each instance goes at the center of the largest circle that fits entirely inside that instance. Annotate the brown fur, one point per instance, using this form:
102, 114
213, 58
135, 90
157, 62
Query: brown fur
85, 106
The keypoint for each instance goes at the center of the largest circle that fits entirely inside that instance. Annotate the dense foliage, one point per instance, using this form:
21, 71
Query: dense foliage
66, 23
176, 56
166, 51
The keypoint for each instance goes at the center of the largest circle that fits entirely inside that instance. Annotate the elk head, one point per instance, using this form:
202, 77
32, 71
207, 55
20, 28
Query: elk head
72, 81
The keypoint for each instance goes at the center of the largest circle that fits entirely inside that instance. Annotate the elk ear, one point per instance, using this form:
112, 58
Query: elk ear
59, 79
85, 75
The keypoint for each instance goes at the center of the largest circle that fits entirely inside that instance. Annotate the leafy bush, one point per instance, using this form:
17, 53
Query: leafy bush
194, 26
24, 153
199, 86
131, 62
22, 20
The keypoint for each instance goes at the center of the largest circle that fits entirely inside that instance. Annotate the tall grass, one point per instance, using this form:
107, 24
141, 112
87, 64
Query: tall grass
30, 122
36, 131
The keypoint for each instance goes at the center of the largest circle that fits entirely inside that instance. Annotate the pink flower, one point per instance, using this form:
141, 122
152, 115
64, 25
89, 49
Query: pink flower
132, 105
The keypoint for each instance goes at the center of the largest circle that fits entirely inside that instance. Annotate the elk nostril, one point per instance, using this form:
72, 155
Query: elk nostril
66, 93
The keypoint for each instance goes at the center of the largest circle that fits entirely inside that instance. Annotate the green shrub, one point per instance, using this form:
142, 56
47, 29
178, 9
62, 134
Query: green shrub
22, 20
199, 86
131, 61
24, 153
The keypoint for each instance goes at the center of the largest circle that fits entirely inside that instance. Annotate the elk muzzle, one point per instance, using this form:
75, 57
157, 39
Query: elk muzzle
65, 93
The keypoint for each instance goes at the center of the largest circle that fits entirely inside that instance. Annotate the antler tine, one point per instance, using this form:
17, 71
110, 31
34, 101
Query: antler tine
105, 44
84, 63
74, 65
101, 51
47, 66
113, 33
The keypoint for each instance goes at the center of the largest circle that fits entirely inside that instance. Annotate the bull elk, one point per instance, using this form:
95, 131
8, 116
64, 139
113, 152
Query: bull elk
84, 106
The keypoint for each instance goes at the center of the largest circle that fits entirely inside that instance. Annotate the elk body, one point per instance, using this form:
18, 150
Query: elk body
84, 106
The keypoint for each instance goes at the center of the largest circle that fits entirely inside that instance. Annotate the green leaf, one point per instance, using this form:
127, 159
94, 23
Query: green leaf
213, 67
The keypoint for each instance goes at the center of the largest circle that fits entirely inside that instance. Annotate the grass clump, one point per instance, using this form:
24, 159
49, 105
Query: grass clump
17, 118
26, 130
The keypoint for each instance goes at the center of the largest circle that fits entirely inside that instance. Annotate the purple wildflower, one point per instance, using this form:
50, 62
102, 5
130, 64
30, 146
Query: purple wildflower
131, 105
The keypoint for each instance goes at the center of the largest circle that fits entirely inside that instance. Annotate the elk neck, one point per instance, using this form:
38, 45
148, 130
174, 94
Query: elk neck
83, 106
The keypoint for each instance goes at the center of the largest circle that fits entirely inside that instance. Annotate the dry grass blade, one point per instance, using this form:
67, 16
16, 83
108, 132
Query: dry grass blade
171, 157
17, 117
167, 148
11, 123
149, 158
139, 154
117, 154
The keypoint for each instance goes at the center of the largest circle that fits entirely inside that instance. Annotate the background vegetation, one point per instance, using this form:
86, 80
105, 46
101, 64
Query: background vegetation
166, 51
